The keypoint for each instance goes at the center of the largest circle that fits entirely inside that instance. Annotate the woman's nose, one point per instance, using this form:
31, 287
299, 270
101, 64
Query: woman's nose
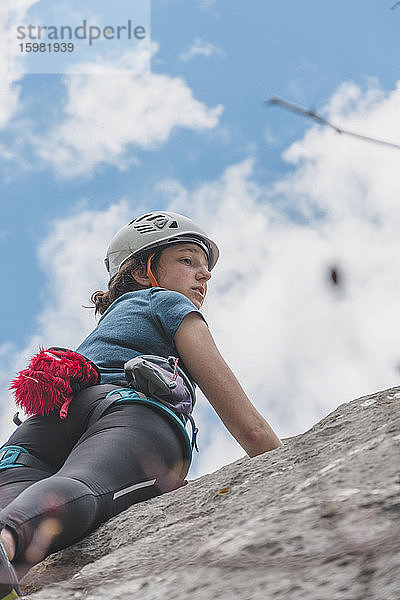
203, 273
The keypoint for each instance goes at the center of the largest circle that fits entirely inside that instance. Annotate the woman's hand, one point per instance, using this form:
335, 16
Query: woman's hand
201, 356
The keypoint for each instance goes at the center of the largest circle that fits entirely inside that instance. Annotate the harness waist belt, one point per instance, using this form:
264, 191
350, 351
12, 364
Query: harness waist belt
16, 456
130, 395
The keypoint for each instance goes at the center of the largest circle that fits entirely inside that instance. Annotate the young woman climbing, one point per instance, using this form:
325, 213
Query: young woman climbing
65, 472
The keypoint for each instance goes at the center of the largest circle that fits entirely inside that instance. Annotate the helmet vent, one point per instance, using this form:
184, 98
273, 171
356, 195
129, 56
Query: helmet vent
145, 228
138, 219
174, 225
160, 222
154, 223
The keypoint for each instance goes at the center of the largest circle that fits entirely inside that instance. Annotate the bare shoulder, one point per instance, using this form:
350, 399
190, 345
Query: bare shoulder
193, 333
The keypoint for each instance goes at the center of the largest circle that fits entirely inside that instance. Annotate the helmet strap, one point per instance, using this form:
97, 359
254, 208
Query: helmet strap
150, 275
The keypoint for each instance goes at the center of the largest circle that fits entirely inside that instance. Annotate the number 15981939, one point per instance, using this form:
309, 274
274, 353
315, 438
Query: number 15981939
49, 47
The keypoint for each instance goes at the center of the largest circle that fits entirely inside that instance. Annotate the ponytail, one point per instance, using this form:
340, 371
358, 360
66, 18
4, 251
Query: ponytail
123, 281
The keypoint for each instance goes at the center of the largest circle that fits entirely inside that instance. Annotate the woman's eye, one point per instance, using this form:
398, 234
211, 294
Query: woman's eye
187, 261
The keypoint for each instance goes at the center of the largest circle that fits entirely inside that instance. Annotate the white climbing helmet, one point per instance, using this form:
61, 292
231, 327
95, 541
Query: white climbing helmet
155, 230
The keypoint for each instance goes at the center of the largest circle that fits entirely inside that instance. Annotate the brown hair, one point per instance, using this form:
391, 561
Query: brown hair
124, 281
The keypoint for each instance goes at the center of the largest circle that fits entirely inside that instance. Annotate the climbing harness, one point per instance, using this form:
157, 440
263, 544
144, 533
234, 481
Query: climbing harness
162, 379
152, 380
56, 375
129, 395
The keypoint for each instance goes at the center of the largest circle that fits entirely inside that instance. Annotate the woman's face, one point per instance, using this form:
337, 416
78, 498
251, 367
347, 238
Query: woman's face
184, 268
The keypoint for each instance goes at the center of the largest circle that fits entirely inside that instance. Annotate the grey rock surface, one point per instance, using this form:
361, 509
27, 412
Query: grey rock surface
318, 519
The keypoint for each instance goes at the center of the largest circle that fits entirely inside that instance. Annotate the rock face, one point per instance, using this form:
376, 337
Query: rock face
318, 519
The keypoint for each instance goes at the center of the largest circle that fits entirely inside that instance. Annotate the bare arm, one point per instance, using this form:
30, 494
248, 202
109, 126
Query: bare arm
201, 356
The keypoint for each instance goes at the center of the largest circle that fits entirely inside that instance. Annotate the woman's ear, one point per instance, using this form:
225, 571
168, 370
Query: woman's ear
140, 275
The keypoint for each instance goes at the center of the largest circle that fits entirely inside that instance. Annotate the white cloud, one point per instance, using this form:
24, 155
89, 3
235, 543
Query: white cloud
344, 177
200, 48
108, 116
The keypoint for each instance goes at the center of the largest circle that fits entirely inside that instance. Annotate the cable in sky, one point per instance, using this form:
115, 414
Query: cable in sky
311, 114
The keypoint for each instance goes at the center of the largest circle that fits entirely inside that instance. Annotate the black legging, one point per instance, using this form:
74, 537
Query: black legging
95, 471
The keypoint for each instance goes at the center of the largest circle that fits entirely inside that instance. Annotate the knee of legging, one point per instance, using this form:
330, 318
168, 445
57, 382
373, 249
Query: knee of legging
54, 494
56, 508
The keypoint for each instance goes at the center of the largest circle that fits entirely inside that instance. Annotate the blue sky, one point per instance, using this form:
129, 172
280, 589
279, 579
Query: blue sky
82, 154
